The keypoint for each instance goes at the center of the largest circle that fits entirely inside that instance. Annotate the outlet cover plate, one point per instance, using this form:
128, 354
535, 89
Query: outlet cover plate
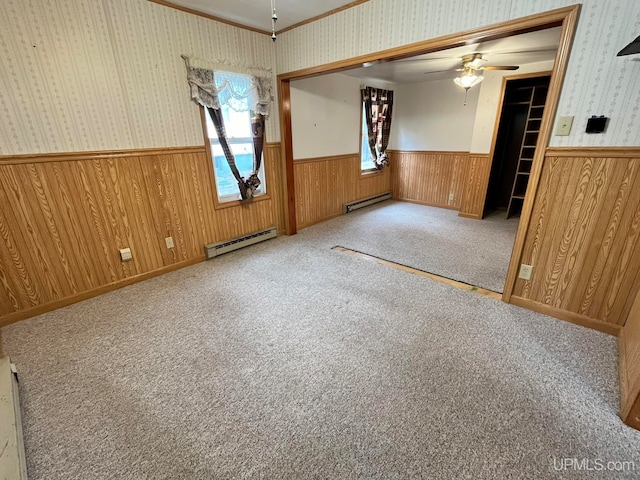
563, 127
169, 242
525, 272
125, 254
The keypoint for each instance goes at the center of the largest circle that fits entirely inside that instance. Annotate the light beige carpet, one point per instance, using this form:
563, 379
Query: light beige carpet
290, 360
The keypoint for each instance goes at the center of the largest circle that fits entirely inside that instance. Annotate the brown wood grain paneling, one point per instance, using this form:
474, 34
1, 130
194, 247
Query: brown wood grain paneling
475, 184
63, 222
583, 237
429, 178
630, 367
324, 185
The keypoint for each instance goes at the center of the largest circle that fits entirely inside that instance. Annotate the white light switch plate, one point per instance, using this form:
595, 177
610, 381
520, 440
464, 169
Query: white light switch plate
563, 127
525, 272
169, 242
125, 254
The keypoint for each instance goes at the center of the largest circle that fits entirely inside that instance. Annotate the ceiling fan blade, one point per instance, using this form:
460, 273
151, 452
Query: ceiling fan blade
413, 59
440, 71
501, 67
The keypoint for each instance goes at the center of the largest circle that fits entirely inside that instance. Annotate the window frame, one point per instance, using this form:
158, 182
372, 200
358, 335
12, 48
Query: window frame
217, 204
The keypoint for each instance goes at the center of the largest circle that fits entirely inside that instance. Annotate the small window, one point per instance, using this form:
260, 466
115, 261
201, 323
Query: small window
238, 128
366, 160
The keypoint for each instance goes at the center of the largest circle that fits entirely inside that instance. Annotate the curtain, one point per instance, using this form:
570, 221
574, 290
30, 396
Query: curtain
378, 108
243, 89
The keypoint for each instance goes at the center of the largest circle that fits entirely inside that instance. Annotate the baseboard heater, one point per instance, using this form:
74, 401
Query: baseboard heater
216, 249
350, 207
13, 462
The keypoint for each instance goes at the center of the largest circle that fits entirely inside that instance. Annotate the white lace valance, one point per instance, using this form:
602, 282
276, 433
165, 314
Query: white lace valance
219, 83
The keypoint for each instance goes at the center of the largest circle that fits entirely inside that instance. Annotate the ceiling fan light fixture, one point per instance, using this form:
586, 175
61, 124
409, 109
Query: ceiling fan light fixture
469, 78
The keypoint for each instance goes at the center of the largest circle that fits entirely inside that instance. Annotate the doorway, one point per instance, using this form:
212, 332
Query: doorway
518, 130
565, 18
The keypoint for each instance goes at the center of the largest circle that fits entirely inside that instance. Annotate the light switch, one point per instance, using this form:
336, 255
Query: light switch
563, 127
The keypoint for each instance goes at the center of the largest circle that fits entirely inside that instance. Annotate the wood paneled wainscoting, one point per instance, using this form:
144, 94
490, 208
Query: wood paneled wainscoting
429, 178
64, 218
582, 237
323, 185
475, 184
630, 367
455, 180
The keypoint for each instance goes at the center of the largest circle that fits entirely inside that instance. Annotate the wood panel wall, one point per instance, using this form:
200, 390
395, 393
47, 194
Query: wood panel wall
64, 218
630, 367
429, 178
475, 184
583, 237
324, 185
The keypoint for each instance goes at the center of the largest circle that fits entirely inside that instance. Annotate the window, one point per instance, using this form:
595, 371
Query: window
366, 160
238, 128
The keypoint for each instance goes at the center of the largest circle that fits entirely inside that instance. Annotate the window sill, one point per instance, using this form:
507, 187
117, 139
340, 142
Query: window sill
370, 173
240, 203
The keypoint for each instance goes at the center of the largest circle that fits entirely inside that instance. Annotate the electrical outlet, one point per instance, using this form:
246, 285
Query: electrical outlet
125, 254
451, 197
563, 127
525, 272
169, 242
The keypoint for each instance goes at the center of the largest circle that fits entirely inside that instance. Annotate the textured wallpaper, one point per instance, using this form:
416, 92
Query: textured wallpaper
83, 75
597, 82
79, 75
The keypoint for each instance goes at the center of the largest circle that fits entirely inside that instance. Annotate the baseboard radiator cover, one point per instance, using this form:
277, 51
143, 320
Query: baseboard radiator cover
350, 207
216, 249
13, 462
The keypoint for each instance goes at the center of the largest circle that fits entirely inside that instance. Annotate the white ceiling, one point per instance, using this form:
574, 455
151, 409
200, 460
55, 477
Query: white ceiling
516, 50
257, 13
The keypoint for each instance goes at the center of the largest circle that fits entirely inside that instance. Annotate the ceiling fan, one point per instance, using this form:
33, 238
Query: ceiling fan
472, 70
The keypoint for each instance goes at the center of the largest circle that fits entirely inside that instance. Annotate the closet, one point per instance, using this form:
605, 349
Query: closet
519, 126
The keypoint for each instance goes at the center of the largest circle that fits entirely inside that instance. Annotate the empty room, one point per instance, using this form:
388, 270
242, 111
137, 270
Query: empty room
276, 239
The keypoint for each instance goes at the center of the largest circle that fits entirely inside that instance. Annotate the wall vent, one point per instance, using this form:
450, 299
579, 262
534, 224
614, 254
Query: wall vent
217, 249
350, 207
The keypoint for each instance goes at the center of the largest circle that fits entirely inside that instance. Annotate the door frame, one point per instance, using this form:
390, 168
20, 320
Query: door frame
565, 17
496, 126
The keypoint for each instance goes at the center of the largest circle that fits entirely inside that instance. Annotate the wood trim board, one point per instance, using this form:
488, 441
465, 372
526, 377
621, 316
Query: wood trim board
93, 155
569, 24
420, 273
215, 18
588, 152
255, 29
565, 315
552, 18
629, 352
322, 15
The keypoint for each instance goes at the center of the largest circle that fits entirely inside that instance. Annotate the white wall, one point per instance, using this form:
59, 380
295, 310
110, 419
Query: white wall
83, 75
488, 101
432, 116
597, 82
325, 115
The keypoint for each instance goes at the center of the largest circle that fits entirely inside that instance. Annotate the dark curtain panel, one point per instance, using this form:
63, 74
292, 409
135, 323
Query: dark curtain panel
378, 108
257, 130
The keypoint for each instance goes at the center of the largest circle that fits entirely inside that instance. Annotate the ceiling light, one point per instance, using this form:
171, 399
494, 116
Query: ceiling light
469, 78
